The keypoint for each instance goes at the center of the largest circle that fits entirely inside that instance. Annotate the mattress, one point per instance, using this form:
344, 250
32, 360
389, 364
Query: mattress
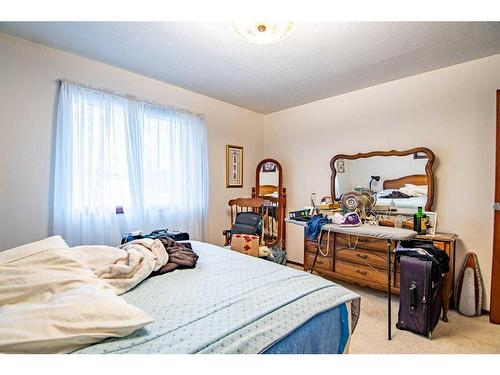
234, 303
322, 334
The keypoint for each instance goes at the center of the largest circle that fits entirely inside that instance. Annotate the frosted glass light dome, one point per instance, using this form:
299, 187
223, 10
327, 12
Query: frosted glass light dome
262, 32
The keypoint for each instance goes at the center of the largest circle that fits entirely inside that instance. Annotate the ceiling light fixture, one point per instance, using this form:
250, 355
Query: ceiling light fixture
262, 32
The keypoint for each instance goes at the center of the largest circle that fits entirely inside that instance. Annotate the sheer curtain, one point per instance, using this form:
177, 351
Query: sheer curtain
123, 165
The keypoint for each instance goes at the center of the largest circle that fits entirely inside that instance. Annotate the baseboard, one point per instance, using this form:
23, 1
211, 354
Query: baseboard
295, 263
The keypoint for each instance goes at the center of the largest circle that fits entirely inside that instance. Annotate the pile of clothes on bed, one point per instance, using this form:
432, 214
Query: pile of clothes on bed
180, 255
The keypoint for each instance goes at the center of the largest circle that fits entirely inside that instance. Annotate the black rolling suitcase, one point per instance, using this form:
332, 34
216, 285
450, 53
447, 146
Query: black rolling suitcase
420, 298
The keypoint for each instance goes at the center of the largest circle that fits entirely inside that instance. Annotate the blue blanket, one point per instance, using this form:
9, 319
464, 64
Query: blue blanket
229, 303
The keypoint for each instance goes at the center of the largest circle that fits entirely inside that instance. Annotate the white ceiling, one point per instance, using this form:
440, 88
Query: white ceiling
316, 61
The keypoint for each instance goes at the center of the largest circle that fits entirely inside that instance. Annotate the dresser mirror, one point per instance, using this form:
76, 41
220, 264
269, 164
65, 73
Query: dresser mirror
268, 185
401, 180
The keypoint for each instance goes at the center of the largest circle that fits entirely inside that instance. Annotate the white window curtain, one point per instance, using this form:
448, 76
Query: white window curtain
122, 165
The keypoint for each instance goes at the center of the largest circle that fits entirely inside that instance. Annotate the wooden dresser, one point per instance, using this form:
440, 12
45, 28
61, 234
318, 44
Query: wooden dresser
363, 261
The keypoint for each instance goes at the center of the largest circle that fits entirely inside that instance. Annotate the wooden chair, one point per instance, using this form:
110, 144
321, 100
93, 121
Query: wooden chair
258, 205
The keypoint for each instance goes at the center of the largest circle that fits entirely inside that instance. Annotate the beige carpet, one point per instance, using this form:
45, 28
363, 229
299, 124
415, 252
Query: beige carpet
460, 334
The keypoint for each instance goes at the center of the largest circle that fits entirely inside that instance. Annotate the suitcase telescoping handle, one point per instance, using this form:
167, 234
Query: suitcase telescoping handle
413, 296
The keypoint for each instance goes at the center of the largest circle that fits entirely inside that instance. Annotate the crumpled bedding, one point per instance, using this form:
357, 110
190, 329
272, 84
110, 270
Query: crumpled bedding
52, 303
122, 268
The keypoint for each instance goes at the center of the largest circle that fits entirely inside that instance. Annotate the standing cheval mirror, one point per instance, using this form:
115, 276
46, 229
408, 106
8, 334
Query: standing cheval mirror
269, 186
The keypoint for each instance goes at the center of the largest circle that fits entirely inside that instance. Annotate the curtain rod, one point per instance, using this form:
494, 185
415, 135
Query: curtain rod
127, 96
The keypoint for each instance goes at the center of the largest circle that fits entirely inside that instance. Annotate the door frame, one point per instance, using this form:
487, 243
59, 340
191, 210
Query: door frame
495, 267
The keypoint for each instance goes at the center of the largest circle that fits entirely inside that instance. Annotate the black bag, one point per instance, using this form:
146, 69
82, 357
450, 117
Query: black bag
175, 235
420, 298
439, 258
248, 223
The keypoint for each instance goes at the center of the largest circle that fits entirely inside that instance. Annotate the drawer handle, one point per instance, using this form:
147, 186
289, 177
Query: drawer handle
362, 256
361, 272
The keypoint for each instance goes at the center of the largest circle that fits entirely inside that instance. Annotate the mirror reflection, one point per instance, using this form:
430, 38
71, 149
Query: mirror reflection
400, 182
269, 180
268, 188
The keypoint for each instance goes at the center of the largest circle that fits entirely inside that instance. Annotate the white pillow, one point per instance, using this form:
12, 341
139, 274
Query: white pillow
54, 242
51, 303
414, 190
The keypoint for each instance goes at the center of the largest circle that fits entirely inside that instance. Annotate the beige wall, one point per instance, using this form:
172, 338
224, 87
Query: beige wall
451, 111
28, 97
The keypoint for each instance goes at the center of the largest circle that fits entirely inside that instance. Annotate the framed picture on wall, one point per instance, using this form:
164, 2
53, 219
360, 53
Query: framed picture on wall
234, 166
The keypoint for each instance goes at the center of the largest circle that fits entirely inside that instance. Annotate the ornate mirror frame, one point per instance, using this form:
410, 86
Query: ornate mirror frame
281, 201
428, 167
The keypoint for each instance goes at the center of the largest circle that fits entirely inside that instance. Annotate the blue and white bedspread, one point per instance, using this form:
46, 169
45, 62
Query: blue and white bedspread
229, 303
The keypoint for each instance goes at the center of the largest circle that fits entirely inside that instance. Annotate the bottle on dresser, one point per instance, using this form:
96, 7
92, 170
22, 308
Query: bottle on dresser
420, 221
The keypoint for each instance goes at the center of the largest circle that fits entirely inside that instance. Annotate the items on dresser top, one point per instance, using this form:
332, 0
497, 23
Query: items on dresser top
300, 215
327, 203
314, 226
420, 222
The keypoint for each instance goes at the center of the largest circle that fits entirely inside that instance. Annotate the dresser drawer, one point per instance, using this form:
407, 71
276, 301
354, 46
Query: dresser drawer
322, 263
312, 246
365, 273
359, 242
439, 245
364, 257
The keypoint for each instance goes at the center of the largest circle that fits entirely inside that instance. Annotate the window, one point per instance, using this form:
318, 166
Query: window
123, 165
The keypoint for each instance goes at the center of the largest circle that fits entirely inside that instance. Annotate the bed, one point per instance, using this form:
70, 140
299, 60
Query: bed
390, 186
234, 303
